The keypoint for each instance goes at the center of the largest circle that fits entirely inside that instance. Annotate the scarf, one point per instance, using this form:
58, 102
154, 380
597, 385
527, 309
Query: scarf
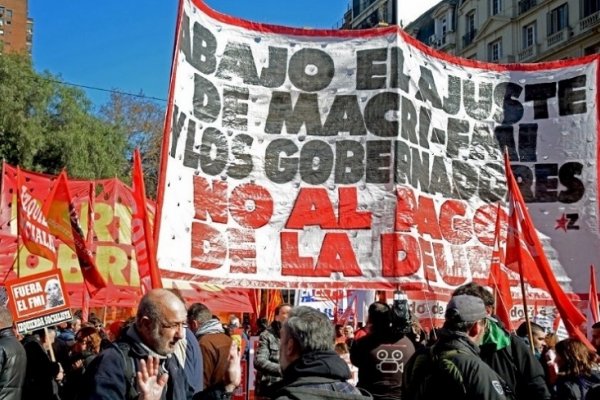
209, 327
496, 335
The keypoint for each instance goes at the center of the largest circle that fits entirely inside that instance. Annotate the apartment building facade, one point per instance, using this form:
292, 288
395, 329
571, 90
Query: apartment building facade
500, 31
511, 31
16, 29
363, 14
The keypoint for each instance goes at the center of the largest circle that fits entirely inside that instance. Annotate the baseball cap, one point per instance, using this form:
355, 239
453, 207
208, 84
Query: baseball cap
465, 308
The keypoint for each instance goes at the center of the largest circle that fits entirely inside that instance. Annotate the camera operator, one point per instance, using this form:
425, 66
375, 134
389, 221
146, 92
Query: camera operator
381, 355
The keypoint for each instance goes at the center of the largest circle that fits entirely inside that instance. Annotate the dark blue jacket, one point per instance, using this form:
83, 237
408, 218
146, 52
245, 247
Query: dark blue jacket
106, 376
193, 362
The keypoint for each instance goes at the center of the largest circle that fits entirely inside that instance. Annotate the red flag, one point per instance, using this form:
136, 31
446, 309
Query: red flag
349, 312
275, 299
556, 323
498, 279
518, 258
531, 258
143, 241
593, 296
33, 227
64, 224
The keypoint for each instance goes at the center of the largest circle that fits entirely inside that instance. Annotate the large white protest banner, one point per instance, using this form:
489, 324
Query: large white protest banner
363, 159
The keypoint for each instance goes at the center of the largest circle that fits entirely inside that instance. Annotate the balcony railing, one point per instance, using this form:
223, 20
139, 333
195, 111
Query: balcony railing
469, 37
559, 37
525, 5
528, 53
589, 21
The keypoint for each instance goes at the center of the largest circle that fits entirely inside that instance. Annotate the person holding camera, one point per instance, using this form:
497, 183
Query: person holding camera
381, 354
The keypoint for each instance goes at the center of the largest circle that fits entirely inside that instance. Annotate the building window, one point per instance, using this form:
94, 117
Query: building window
590, 7
558, 19
495, 7
529, 35
495, 51
8, 13
470, 21
469, 28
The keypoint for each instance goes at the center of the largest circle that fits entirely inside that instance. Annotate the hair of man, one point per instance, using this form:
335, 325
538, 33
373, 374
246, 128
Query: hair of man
199, 312
310, 329
379, 317
279, 307
522, 329
473, 289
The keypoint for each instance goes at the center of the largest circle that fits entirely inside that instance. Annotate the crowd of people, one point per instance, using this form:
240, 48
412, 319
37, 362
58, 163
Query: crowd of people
174, 351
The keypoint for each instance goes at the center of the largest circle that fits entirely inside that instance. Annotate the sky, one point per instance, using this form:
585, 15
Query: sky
127, 45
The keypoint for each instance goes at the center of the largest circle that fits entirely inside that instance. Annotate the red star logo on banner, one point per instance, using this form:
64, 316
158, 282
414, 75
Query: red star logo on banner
561, 223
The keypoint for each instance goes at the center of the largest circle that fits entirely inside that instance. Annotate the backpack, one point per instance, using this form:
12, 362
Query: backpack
432, 372
129, 371
319, 392
436, 374
131, 392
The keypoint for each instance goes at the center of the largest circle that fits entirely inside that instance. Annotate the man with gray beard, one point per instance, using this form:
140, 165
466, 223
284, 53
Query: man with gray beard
158, 326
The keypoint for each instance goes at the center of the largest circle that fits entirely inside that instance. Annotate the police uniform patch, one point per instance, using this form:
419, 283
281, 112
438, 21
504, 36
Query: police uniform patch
498, 387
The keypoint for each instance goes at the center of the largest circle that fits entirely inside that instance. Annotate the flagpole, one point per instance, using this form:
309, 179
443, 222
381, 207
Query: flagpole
18, 258
15, 261
526, 310
495, 288
519, 252
85, 306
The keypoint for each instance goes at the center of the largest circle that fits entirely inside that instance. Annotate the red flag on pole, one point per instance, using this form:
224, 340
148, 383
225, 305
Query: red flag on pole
593, 296
498, 279
143, 241
349, 311
85, 308
33, 227
531, 257
64, 224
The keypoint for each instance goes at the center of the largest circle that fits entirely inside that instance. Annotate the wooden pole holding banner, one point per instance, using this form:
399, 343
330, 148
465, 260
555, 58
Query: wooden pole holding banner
495, 299
525, 309
12, 267
50, 350
19, 246
85, 307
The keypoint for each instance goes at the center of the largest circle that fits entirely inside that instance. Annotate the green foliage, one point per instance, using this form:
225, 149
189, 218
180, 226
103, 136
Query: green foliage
141, 120
46, 126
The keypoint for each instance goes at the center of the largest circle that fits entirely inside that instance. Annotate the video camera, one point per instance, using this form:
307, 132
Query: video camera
400, 314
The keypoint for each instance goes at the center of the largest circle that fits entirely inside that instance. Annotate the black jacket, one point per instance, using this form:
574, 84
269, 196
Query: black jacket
323, 370
451, 369
105, 377
519, 368
380, 361
41, 372
13, 364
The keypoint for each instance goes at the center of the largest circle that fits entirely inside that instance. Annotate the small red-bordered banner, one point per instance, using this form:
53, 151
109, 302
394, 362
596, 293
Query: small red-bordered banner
38, 301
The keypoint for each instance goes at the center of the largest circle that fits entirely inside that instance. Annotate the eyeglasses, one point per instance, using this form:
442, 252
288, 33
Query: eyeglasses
173, 325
